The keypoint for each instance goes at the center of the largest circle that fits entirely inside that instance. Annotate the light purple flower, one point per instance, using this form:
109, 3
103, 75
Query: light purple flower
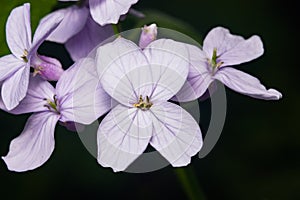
108, 11
15, 68
148, 35
221, 50
142, 82
73, 100
79, 32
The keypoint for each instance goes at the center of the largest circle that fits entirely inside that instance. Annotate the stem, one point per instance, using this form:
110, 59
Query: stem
116, 29
189, 183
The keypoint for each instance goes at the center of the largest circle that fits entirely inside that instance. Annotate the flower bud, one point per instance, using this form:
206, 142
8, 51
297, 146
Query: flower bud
148, 35
48, 68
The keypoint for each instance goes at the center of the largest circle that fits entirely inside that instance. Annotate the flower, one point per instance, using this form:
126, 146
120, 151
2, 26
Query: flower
78, 31
73, 100
108, 11
142, 82
221, 50
148, 35
15, 68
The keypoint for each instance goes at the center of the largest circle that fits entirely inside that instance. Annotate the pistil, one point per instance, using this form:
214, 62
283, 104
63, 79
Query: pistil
52, 105
213, 62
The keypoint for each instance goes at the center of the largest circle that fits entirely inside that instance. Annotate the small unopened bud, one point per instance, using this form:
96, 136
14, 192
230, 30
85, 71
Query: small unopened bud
148, 35
48, 68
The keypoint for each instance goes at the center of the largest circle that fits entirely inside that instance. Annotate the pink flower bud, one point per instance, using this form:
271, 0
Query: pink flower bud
48, 68
148, 35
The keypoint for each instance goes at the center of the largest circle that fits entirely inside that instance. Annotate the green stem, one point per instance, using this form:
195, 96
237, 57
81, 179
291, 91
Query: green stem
116, 29
188, 180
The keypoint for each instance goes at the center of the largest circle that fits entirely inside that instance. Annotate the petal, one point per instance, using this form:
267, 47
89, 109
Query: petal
176, 135
109, 53
199, 77
46, 26
9, 65
74, 20
18, 30
122, 136
35, 144
75, 76
34, 101
2, 106
169, 67
81, 97
232, 49
245, 84
109, 11
87, 39
118, 64
15, 87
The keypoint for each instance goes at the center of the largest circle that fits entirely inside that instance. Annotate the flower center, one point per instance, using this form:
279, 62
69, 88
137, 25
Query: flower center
213, 61
143, 104
24, 57
52, 105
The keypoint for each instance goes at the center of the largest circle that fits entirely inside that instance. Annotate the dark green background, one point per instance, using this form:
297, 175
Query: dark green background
257, 156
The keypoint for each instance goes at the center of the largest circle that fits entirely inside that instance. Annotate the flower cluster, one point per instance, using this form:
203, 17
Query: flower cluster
135, 85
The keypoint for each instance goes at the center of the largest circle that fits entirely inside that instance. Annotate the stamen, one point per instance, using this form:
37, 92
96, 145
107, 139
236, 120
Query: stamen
47, 106
24, 57
55, 99
143, 105
219, 64
37, 71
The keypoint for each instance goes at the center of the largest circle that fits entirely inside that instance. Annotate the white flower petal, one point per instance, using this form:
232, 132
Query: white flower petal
15, 87
18, 30
34, 101
81, 96
176, 135
46, 26
119, 64
122, 136
9, 65
245, 84
74, 20
35, 144
199, 77
169, 68
109, 11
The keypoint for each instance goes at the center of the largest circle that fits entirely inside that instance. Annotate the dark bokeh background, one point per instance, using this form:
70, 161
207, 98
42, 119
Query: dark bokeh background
257, 156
